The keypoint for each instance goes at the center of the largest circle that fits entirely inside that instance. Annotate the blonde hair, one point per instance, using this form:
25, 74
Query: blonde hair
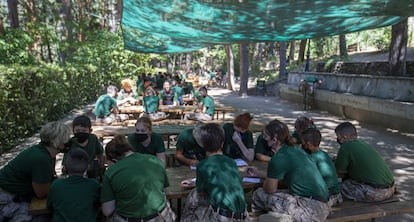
127, 83
145, 121
55, 133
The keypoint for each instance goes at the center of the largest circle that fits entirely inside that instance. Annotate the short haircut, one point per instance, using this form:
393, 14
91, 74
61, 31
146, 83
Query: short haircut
83, 121
346, 129
243, 120
212, 137
117, 147
127, 83
77, 161
312, 135
55, 133
302, 123
280, 131
146, 121
197, 133
111, 89
203, 88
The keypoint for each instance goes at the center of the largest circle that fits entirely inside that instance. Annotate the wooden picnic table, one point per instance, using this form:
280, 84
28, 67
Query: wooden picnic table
173, 192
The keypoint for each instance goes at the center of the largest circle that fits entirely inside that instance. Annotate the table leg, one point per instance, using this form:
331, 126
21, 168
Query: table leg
178, 209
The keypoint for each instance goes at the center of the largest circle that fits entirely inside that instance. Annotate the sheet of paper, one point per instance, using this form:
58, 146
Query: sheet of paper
240, 162
193, 180
193, 167
251, 179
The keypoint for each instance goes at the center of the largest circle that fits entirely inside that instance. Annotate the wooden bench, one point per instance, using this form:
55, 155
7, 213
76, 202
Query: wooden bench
223, 109
355, 211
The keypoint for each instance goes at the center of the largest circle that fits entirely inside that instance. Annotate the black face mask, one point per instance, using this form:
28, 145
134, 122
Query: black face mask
338, 141
139, 137
81, 136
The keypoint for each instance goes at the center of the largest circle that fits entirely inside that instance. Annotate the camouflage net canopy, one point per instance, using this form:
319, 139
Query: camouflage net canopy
168, 26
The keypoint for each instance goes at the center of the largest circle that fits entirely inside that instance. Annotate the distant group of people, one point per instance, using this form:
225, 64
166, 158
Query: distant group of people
166, 91
132, 187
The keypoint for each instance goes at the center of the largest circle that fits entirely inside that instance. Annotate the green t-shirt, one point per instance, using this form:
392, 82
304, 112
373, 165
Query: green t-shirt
156, 145
103, 106
140, 88
189, 145
230, 148
219, 177
296, 168
209, 103
31, 165
168, 98
136, 183
151, 104
363, 163
328, 171
92, 148
311, 79
74, 199
262, 147
178, 90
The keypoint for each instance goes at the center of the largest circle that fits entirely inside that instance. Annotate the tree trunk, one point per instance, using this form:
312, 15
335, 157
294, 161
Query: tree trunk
12, 6
119, 13
244, 69
88, 13
259, 50
343, 52
80, 20
1, 25
188, 61
65, 27
292, 51
103, 14
282, 59
169, 64
302, 48
230, 67
398, 49
271, 49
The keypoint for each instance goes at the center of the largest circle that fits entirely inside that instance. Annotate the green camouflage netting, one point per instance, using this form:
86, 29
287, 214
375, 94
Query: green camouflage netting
187, 25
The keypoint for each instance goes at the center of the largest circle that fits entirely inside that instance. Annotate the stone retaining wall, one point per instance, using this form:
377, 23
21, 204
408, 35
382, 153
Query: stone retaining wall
370, 68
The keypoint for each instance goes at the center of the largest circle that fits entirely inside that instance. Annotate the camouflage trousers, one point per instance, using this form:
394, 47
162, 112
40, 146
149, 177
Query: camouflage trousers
15, 212
166, 215
335, 200
198, 116
301, 209
356, 191
197, 208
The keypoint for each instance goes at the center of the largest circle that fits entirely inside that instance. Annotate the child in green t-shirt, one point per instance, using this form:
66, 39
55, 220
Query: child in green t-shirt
74, 198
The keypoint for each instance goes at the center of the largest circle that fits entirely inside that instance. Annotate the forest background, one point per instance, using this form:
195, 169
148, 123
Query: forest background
59, 55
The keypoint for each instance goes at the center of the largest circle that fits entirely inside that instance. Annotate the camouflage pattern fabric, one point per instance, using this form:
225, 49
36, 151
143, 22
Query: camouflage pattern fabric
301, 209
12, 211
356, 191
198, 208
166, 215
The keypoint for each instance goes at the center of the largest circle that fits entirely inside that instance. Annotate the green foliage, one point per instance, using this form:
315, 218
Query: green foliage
13, 47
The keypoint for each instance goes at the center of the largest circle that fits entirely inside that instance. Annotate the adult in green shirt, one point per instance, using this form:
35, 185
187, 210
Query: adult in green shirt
179, 90
106, 106
307, 195
311, 138
31, 172
219, 194
145, 141
206, 108
238, 141
188, 150
74, 198
133, 187
365, 174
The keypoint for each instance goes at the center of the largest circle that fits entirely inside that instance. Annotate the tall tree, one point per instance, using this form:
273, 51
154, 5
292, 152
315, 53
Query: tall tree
230, 67
343, 52
259, 50
12, 6
103, 14
66, 32
244, 69
282, 59
80, 21
1, 25
292, 51
302, 49
398, 49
